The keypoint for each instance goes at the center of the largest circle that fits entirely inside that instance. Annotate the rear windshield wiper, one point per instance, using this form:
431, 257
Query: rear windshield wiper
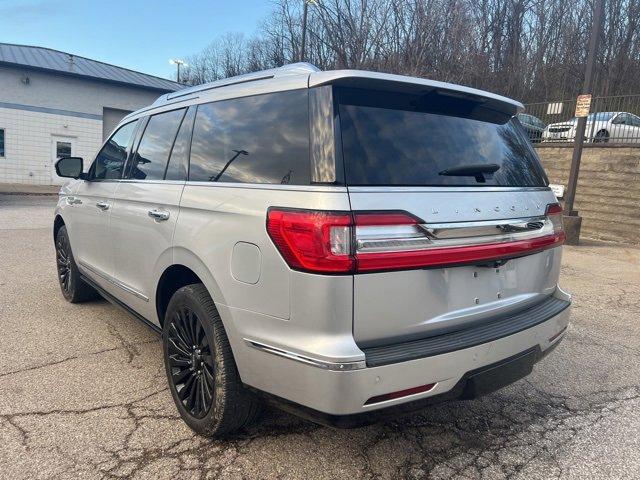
481, 171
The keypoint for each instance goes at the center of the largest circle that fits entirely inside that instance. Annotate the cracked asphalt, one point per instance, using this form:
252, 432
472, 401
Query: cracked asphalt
83, 392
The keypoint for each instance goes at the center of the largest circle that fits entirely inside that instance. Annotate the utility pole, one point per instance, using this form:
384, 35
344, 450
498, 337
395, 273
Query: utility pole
304, 30
305, 11
572, 221
177, 62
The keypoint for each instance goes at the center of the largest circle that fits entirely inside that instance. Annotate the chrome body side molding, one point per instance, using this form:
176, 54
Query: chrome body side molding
114, 281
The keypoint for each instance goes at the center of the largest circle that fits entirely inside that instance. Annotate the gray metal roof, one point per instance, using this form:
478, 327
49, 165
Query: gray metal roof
68, 64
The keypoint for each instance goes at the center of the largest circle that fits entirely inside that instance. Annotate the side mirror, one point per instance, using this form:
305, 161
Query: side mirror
69, 167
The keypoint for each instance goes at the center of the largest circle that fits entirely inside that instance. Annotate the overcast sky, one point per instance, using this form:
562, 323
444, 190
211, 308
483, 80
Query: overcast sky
138, 34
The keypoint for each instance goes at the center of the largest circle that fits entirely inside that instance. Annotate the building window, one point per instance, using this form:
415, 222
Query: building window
63, 149
1, 142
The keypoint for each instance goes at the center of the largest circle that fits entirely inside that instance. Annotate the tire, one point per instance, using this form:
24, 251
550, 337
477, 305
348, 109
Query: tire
201, 372
74, 289
601, 137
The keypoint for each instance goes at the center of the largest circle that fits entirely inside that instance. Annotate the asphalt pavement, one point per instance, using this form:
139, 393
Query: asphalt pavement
83, 392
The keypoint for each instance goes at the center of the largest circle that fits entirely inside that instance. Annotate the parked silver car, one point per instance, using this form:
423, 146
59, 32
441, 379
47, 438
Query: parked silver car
338, 243
601, 127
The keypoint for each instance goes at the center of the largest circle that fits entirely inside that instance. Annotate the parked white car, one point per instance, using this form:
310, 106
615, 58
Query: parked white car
601, 127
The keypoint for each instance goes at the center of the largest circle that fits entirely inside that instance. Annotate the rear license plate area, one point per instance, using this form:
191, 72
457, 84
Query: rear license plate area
495, 377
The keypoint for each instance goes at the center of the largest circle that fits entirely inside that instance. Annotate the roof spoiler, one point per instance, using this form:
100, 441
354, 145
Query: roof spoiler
413, 85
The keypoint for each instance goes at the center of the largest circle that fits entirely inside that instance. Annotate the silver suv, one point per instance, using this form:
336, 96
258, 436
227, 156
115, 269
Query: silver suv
339, 243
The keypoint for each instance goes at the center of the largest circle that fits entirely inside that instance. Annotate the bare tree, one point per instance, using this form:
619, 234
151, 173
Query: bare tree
533, 50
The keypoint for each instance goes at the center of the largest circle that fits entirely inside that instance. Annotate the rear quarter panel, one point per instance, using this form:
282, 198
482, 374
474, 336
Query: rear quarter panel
214, 218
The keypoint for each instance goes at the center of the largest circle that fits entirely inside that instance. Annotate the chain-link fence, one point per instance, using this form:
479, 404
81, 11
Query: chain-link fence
613, 120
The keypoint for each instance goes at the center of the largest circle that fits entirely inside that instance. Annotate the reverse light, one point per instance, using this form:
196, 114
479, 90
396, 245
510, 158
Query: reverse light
363, 242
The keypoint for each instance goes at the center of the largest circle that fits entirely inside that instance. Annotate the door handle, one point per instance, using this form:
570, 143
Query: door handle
73, 201
159, 215
102, 206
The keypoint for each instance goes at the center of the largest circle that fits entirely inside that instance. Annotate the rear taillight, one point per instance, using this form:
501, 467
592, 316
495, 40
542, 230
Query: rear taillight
554, 214
312, 241
363, 242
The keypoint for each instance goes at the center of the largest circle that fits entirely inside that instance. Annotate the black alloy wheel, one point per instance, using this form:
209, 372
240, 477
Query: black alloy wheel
203, 377
601, 137
63, 262
74, 289
191, 361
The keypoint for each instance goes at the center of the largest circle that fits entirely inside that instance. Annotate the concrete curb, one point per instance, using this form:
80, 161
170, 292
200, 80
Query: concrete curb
25, 189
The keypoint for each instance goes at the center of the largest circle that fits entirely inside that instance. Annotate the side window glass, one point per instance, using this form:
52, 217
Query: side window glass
258, 139
150, 160
621, 119
635, 121
179, 159
110, 160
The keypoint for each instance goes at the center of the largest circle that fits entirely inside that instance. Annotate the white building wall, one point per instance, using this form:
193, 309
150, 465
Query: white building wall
34, 105
64, 92
28, 143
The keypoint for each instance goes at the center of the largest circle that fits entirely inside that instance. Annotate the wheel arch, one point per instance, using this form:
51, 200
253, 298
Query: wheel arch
172, 279
185, 270
58, 223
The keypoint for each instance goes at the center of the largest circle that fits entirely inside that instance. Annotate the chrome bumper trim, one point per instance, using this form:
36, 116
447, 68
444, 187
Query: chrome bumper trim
335, 366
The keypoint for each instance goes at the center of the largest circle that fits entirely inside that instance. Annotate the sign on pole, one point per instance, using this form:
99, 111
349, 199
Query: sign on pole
583, 106
557, 189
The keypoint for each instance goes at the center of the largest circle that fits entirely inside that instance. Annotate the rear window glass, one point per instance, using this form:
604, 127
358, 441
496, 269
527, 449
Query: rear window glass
432, 140
150, 161
258, 139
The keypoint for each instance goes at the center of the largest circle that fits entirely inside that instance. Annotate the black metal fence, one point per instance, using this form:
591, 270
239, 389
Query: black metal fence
613, 120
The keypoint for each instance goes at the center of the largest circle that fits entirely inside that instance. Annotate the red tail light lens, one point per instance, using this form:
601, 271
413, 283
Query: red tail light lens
313, 241
363, 242
554, 213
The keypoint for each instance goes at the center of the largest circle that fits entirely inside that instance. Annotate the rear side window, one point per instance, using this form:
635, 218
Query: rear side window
150, 160
179, 159
409, 140
110, 160
258, 139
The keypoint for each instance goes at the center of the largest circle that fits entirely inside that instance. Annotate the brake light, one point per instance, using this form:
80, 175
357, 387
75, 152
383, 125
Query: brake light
313, 241
363, 242
554, 214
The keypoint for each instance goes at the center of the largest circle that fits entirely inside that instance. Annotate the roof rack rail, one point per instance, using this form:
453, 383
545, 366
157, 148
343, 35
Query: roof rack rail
299, 68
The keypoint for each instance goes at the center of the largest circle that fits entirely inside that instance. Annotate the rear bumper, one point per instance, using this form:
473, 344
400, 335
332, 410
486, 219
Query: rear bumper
326, 393
472, 385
